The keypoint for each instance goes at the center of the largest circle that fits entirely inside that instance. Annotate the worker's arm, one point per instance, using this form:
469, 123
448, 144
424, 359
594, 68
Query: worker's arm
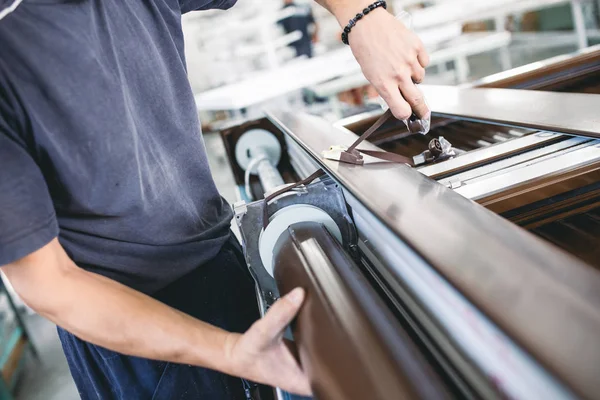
392, 57
111, 315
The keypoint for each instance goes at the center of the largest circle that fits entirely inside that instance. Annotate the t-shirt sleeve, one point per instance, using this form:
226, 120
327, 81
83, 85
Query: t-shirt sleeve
194, 5
27, 218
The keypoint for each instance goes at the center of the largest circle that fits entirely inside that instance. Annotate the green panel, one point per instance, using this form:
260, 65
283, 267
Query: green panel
19, 369
4, 391
556, 18
9, 346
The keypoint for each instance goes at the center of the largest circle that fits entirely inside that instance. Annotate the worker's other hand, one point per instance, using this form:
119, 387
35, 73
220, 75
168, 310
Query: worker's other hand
262, 356
393, 59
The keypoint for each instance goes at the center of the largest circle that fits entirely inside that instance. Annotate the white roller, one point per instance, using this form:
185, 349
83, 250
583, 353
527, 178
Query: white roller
282, 219
258, 152
255, 143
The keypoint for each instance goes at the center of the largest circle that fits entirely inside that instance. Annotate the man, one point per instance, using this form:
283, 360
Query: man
110, 223
301, 21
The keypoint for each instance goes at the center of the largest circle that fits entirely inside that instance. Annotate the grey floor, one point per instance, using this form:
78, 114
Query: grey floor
50, 379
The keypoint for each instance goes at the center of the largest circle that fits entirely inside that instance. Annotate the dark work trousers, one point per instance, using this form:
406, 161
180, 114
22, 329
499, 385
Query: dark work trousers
221, 293
303, 48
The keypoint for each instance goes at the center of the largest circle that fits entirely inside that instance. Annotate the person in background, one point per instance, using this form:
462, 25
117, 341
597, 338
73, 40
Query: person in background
303, 21
111, 225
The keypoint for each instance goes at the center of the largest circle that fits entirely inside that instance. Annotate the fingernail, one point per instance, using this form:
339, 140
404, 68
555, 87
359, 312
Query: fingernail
296, 296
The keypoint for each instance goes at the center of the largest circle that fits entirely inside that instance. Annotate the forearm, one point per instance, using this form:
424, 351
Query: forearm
111, 315
106, 313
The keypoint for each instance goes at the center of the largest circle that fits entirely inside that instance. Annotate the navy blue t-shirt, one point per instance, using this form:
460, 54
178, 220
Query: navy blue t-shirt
100, 142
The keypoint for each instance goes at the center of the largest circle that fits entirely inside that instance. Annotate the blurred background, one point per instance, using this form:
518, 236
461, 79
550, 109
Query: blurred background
254, 45
276, 53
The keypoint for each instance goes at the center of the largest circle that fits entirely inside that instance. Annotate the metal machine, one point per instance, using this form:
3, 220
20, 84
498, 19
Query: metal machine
469, 277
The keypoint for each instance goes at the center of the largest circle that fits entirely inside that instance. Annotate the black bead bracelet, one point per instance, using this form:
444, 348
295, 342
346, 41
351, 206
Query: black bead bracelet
359, 16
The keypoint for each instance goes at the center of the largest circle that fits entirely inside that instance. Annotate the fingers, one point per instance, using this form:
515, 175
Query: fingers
405, 100
423, 57
392, 96
402, 96
279, 315
415, 99
418, 73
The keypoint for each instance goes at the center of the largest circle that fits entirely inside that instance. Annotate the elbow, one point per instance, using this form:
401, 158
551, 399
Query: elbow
38, 278
37, 303
35, 294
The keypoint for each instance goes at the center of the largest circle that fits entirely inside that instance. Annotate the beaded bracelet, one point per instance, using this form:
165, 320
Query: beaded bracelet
353, 21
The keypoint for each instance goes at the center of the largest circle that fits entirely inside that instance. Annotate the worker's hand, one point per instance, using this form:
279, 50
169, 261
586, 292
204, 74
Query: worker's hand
392, 58
261, 354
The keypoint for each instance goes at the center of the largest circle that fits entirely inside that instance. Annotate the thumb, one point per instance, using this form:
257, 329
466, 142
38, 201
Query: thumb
281, 314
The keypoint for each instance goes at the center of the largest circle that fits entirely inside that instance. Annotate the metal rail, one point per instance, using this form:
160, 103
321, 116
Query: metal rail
489, 154
570, 113
553, 174
466, 345
544, 299
511, 161
547, 74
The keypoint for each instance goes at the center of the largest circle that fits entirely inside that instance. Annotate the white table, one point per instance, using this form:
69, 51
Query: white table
268, 85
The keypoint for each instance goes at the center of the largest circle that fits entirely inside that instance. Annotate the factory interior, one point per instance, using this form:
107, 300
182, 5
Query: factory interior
448, 255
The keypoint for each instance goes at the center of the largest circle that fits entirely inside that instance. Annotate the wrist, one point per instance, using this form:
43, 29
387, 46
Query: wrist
209, 347
229, 361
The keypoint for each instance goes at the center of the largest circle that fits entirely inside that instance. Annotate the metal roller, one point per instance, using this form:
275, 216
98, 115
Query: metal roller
351, 346
282, 219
